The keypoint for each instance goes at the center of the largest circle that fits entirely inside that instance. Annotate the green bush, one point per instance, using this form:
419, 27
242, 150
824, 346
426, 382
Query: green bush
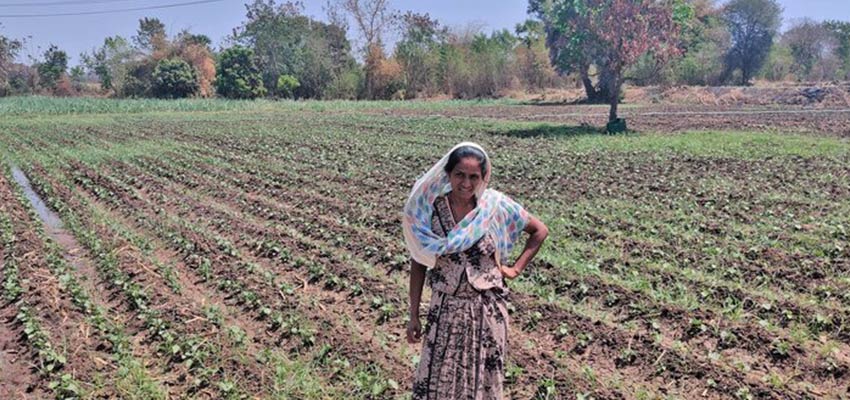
346, 85
54, 66
237, 76
286, 85
174, 79
702, 65
137, 83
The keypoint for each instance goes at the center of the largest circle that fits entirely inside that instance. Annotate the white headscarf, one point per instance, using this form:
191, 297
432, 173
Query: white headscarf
494, 213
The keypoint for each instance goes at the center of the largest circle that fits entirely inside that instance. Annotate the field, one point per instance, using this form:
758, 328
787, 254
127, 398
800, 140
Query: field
213, 249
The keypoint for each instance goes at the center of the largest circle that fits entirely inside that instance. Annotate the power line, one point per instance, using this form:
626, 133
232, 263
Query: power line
110, 11
62, 3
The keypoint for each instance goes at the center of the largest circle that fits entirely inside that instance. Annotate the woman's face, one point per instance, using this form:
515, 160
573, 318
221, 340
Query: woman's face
465, 177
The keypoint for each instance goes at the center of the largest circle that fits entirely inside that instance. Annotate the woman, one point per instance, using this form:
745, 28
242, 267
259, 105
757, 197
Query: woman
463, 233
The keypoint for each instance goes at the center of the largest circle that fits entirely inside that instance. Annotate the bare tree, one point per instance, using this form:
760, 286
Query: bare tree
811, 44
336, 15
372, 17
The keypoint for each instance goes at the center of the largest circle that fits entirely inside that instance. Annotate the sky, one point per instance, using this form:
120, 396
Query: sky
82, 33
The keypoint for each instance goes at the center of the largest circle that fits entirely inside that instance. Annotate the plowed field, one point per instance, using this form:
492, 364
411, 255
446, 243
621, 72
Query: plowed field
254, 250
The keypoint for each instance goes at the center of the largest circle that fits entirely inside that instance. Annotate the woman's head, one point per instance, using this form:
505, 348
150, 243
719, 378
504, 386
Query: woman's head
467, 168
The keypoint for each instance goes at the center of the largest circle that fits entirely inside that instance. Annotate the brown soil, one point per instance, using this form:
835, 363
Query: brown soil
17, 379
815, 94
66, 328
660, 118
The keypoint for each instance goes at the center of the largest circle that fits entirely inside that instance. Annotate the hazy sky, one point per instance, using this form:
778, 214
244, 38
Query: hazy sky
76, 34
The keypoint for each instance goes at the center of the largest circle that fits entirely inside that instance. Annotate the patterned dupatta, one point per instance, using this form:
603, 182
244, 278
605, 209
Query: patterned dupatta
495, 213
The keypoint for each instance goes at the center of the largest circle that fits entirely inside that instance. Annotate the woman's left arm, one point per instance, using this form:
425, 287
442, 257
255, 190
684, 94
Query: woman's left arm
538, 232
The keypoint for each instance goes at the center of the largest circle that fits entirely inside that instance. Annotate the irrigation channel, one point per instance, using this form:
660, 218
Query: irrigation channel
52, 222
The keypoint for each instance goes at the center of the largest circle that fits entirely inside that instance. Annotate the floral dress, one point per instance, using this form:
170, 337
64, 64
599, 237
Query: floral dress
465, 346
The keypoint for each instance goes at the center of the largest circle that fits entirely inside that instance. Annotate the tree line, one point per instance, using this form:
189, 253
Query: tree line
599, 45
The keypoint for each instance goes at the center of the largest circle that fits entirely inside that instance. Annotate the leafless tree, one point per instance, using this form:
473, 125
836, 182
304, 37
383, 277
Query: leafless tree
336, 15
372, 18
812, 46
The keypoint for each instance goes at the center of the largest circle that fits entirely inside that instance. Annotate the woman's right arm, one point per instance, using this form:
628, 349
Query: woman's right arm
417, 281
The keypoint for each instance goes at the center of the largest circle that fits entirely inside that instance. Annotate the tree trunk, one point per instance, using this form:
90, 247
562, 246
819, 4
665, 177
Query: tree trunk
745, 76
598, 93
614, 101
589, 90
369, 84
614, 97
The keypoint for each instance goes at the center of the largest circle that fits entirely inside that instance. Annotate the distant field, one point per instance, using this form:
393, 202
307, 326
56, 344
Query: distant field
215, 249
